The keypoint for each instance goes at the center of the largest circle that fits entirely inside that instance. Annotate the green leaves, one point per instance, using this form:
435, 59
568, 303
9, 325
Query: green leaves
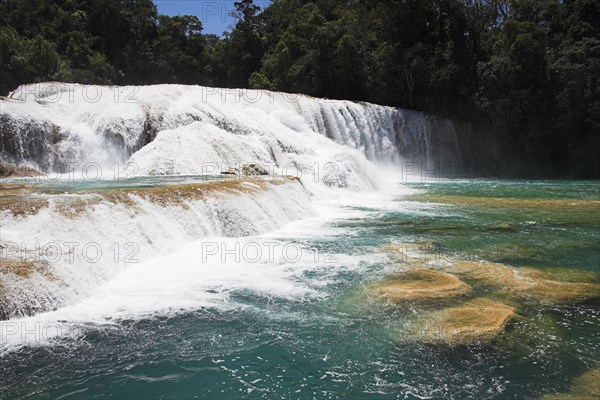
25, 60
526, 72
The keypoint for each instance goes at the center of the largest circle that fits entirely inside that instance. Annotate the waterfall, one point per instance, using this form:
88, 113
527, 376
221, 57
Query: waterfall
312, 148
384, 134
48, 126
64, 249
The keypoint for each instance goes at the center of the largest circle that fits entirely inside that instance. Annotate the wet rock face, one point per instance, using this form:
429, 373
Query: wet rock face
25, 141
3, 313
254, 170
9, 171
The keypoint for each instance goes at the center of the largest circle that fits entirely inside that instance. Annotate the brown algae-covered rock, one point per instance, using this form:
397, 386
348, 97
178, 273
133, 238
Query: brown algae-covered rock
412, 253
492, 274
420, 284
586, 387
472, 322
11, 171
546, 286
561, 285
25, 200
22, 268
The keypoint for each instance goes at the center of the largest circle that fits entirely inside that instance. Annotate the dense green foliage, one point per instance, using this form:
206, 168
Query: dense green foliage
524, 72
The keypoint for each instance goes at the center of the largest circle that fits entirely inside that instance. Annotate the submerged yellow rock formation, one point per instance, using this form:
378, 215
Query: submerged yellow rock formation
586, 387
566, 210
553, 288
411, 253
527, 203
483, 318
549, 286
420, 284
472, 322
492, 274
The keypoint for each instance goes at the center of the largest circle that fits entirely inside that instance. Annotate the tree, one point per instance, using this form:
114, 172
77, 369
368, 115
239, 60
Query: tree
244, 46
525, 73
25, 60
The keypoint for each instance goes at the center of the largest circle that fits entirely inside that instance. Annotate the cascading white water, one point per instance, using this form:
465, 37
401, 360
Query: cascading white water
49, 125
82, 240
187, 130
384, 134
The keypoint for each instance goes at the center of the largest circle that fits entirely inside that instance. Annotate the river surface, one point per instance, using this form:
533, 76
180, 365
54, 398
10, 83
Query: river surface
295, 321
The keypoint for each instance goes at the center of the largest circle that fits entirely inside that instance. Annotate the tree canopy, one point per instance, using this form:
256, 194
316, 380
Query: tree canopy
528, 71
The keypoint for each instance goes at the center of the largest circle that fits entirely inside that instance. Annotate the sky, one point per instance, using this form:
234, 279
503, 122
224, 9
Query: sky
212, 13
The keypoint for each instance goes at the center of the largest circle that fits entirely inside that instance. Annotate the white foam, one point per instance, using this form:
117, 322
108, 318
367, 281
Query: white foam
125, 118
336, 148
90, 248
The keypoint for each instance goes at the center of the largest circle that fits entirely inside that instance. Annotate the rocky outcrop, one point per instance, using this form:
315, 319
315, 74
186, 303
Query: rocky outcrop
476, 321
420, 284
28, 141
547, 286
10, 171
254, 170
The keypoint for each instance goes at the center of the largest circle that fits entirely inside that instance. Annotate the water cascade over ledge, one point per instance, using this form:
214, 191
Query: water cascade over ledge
50, 126
308, 147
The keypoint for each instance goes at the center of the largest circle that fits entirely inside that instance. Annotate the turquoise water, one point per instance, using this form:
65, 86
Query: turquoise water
335, 342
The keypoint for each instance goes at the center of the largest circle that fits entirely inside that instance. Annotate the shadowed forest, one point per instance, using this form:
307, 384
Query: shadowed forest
523, 74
